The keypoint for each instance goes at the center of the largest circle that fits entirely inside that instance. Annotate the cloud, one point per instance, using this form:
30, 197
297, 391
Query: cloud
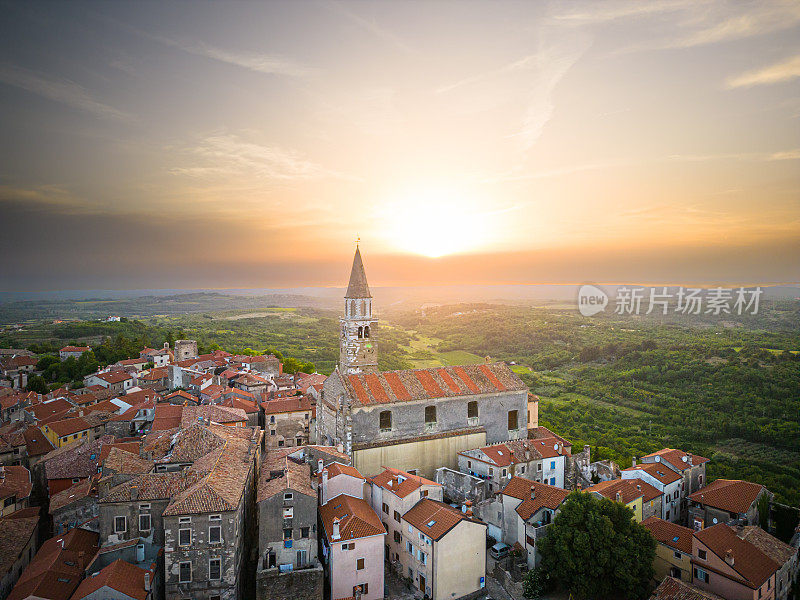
58, 90
749, 156
270, 64
748, 20
610, 11
228, 155
785, 70
372, 27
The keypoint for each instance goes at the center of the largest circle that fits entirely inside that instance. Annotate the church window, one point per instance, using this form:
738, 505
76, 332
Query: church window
472, 409
363, 307
512, 420
386, 420
430, 414
366, 331
360, 332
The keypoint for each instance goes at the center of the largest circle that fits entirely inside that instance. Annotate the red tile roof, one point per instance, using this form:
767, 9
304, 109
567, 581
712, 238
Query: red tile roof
546, 496
618, 490
732, 495
113, 377
356, 519
295, 476
676, 458
670, 534
675, 589
15, 481
74, 493
56, 570
663, 474
434, 518
75, 349
120, 576
17, 528
167, 416
421, 384
400, 483
335, 469
753, 566
287, 405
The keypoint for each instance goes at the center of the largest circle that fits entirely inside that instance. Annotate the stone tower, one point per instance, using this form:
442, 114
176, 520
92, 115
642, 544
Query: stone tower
357, 350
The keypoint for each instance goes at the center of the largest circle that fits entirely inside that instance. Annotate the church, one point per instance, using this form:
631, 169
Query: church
416, 420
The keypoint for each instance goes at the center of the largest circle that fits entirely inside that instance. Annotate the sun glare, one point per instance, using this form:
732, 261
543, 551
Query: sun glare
436, 222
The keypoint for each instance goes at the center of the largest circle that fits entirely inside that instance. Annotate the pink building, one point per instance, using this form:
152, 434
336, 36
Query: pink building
352, 536
734, 568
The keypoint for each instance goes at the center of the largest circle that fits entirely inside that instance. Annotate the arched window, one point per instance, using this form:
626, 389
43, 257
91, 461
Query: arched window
366, 331
363, 307
360, 332
430, 415
472, 409
385, 419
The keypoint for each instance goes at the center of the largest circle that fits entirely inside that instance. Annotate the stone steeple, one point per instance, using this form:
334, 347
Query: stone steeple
357, 350
358, 287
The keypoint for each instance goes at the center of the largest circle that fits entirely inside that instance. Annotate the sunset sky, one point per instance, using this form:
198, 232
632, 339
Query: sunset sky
219, 145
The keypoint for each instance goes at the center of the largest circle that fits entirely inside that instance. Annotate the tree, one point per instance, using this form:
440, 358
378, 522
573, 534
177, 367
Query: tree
37, 384
596, 550
537, 583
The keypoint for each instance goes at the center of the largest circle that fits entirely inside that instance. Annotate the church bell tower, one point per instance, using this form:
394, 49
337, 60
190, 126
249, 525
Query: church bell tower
357, 350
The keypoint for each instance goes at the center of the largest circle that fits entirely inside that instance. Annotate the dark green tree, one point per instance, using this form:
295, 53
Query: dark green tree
596, 550
37, 384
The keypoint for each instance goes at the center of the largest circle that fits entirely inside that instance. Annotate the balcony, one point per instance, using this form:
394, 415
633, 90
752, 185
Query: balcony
472, 421
431, 426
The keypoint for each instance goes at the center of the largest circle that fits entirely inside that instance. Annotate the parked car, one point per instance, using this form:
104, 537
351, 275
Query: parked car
499, 551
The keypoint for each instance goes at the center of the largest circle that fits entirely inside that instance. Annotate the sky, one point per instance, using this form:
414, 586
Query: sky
223, 145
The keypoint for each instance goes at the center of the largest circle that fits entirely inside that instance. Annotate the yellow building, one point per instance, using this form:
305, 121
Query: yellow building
623, 491
673, 551
444, 550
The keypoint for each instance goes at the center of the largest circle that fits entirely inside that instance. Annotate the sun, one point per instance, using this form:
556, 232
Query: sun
436, 221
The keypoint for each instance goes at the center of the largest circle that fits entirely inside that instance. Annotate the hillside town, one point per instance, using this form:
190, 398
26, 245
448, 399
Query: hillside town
174, 475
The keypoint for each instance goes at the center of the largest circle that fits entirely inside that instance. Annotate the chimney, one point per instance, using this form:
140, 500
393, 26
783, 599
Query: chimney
464, 508
147, 581
618, 496
633, 462
320, 466
339, 447
134, 492
533, 492
336, 534
729, 557
689, 458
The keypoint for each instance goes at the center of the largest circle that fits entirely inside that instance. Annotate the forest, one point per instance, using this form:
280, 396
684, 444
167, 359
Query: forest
627, 386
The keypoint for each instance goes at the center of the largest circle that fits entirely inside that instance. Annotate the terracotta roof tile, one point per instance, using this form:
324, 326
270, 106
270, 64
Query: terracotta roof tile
663, 474
771, 546
400, 483
675, 458
295, 476
670, 534
618, 490
17, 532
120, 576
749, 562
675, 589
546, 496
732, 495
74, 493
356, 518
434, 518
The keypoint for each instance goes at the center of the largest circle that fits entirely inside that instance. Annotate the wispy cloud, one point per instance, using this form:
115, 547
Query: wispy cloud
747, 156
58, 90
372, 27
727, 22
229, 155
785, 70
270, 64
610, 11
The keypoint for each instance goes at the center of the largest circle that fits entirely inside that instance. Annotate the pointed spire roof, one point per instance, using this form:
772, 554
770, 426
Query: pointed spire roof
358, 288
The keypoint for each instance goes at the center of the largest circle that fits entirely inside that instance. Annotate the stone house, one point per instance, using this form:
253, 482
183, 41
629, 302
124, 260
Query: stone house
267, 365
392, 494
57, 568
23, 444
116, 381
730, 501
673, 550
445, 550
64, 431
666, 481
198, 508
459, 487
20, 533
526, 509
286, 421
542, 460
250, 382
185, 349
72, 352
287, 512
73, 463
780, 553
75, 506
15, 489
